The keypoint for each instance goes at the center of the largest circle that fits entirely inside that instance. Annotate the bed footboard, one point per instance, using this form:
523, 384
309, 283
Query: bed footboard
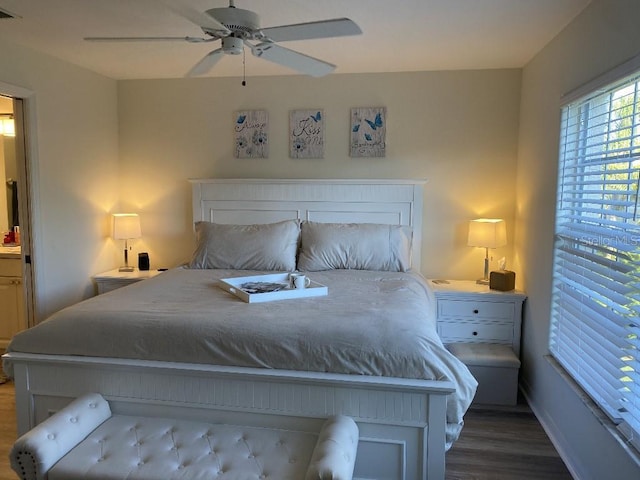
401, 421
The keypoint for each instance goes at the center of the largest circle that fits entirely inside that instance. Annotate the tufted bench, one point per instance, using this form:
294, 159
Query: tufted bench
85, 441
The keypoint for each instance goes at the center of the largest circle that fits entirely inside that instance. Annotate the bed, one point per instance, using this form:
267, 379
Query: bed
368, 349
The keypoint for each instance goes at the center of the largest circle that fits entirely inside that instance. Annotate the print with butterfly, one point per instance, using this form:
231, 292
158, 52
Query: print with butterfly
306, 133
368, 132
251, 134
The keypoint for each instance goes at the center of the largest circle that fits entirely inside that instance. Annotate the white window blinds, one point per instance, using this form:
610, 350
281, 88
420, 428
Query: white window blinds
595, 317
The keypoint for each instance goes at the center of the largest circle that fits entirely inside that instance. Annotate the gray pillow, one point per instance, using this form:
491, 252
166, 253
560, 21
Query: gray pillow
357, 246
271, 246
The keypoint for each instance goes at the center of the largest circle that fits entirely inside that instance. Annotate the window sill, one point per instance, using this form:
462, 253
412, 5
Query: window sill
597, 412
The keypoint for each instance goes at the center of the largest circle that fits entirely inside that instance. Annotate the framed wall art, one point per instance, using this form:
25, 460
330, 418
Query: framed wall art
368, 131
251, 130
306, 133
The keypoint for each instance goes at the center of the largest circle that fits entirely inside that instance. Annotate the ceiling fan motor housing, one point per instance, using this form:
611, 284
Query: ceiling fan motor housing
243, 23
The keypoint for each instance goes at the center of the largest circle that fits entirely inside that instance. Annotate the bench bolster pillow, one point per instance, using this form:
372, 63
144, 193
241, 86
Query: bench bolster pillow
35, 452
334, 455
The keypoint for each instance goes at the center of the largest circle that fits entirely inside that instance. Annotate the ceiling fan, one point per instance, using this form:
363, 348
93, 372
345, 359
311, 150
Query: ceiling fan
237, 28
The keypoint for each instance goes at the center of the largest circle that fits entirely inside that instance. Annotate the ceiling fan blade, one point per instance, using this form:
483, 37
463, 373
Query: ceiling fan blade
151, 39
206, 63
136, 39
337, 27
202, 19
295, 60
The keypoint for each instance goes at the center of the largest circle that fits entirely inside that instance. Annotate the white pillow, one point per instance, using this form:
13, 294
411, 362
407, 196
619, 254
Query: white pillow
271, 246
357, 246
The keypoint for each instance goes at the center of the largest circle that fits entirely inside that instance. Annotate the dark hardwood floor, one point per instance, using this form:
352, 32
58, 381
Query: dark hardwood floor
500, 444
504, 444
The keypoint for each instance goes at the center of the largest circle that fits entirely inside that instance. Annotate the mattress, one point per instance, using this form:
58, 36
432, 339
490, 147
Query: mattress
370, 323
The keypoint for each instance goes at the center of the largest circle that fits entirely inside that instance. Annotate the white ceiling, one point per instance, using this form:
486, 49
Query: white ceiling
401, 35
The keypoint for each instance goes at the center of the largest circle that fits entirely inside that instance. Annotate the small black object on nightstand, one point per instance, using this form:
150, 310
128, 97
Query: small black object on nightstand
143, 261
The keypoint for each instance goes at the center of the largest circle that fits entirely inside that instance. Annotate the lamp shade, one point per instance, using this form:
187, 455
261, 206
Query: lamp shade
487, 233
126, 225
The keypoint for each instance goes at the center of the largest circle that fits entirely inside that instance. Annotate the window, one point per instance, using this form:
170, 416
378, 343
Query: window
595, 309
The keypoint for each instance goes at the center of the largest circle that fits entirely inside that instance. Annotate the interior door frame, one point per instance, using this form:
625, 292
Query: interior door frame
25, 144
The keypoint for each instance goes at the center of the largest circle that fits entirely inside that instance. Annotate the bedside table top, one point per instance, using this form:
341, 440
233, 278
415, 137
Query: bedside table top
443, 288
118, 275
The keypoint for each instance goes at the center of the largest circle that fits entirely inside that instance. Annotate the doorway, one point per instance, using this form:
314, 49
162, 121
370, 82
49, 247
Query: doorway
16, 274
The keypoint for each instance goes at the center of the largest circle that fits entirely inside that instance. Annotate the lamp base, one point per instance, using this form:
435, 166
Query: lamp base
485, 279
126, 269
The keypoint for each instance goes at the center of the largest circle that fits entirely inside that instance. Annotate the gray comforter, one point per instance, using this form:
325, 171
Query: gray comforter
370, 323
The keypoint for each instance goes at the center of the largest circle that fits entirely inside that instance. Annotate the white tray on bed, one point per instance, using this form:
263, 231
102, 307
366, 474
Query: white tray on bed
233, 286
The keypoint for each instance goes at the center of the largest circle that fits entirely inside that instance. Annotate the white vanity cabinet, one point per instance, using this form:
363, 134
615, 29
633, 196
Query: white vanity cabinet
12, 318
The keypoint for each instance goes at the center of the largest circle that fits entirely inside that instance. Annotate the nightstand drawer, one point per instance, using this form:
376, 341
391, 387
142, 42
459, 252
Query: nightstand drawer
475, 332
476, 309
107, 281
105, 286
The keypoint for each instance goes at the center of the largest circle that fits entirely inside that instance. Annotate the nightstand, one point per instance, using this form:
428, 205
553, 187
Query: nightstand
107, 281
482, 328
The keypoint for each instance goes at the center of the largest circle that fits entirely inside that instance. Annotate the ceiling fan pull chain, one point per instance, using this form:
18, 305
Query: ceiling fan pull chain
244, 68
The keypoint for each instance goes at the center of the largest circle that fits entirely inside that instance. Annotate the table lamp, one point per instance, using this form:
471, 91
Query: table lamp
126, 226
487, 233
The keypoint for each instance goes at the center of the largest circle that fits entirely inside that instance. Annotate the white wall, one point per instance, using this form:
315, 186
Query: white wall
457, 129
603, 36
74, 152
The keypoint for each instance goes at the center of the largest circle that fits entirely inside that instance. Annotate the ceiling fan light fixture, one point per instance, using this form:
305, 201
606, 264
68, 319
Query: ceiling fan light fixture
232, 45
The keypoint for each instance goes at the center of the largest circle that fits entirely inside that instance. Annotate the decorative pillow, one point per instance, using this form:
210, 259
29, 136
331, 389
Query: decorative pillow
357, 246
271, 246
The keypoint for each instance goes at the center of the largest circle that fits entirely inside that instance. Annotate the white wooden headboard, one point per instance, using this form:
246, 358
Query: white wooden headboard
249, 201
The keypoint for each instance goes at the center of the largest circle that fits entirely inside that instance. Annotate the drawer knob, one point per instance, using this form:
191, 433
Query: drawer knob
476, 311
475, 334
